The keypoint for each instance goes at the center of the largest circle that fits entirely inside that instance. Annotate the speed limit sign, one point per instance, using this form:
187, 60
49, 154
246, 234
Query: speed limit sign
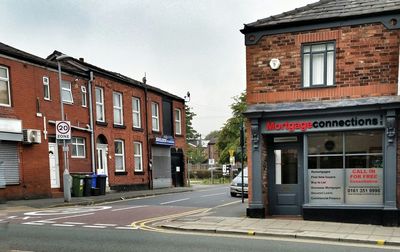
63, 130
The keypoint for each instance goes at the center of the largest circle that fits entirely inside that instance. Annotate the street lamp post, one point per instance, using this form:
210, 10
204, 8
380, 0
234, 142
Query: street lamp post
66, 175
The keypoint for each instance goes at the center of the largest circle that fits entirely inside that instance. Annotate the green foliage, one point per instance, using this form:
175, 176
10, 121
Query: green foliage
191, 133
212, 134
229, 136
196, 155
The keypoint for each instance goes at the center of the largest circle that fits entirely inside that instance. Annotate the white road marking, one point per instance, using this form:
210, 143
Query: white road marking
106, 225
73, 216
63, 225
75, 223
210, 195
127, 228
33, 223
89, 226
173, 201
47, 222
71, 210
126, 208
11, 217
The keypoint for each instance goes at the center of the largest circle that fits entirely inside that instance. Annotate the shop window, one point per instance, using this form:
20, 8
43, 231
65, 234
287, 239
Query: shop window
346, 168
66, 92
119, 153
138, 156
136, 113
318, 64
78, 147
117, 103
100, 116
5, 99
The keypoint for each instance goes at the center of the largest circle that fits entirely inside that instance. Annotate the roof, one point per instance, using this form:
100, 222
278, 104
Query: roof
326, 10
279, 108
117, 76
21, 55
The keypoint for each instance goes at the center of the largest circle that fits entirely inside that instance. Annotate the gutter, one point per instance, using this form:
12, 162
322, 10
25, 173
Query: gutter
91, 78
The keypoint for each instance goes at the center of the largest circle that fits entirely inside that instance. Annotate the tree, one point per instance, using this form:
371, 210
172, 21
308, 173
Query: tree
213, 134
191, 133
229, 136
196, 155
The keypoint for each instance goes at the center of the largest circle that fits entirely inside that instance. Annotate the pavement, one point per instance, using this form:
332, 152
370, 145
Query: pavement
293, 228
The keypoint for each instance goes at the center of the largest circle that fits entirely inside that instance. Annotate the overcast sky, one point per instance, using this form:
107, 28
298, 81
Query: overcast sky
182, 45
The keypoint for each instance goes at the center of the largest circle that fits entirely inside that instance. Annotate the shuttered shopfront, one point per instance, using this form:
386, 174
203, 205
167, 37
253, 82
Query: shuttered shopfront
9, 163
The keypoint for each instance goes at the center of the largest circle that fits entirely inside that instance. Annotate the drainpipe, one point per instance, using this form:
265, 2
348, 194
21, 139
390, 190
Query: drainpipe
91, 121
150, 172
398, 74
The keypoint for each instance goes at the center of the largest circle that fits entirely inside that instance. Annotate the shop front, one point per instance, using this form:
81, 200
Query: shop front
325, 163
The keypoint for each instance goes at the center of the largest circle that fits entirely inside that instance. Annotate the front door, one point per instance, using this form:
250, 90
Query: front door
54, 166
286, 175
102, 168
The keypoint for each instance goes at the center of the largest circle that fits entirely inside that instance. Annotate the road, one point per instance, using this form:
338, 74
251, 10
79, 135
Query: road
117, 226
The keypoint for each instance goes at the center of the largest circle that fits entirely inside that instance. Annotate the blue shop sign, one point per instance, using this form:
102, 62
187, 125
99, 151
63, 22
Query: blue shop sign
166, 140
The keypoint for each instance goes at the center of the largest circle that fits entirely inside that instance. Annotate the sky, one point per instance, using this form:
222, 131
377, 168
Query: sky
181, 45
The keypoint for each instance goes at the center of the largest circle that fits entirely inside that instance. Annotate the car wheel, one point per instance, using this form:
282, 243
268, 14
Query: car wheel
233, 194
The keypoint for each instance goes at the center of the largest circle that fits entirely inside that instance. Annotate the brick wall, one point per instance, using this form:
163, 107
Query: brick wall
366, 65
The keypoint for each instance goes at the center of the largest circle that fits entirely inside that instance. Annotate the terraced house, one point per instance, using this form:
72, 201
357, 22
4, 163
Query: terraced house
128, 130
323, 107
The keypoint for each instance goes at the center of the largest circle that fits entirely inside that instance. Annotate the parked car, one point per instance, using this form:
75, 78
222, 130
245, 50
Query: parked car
236, 185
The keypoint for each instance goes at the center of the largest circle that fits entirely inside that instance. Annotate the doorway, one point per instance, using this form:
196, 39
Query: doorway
54, 166
102, 153
177, 168
285, 178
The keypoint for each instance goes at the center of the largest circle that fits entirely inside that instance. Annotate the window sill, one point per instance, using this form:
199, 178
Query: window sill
138, 129
49, 100
101, 123
117, 126
68, 103
178, 135
121, 173
78, 157
319, 86
139, 172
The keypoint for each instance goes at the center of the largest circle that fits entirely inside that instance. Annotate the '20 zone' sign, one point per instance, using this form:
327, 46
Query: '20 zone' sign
63, 130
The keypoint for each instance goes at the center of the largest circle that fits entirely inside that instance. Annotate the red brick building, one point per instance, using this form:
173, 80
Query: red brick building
323, 104
129, 133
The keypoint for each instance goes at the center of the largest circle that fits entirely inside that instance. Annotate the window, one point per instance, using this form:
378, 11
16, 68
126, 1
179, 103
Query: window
119, 155
100, 105
78, 147
46, 88
136, 113
346, 168
84, 95
138, 156
66, 92
155, 123
117, 101
178, 125
318, 64
5, 99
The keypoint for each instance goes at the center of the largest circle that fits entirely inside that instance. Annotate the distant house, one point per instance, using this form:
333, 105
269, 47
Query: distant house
323, 107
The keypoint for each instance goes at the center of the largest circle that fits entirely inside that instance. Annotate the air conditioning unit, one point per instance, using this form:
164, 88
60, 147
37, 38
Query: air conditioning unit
32, 136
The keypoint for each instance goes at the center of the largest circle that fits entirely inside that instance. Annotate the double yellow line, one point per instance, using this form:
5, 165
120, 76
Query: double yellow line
143, 224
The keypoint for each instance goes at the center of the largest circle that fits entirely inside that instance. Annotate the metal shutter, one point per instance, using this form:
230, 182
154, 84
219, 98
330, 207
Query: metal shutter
9, 164
161, 167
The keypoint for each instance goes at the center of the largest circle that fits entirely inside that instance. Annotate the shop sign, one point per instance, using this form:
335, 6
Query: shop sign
325, 186
323, 124
364, 186
165, 141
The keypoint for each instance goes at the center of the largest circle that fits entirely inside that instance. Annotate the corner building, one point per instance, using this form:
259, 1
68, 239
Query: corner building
323, 108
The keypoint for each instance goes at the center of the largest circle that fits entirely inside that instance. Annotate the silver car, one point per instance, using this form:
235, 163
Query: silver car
236, 185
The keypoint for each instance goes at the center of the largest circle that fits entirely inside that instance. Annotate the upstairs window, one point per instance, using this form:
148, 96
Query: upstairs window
100, 105
84, 96
178, 120
117, 101
66, 92
136, 113
155, 121
5, 99
318, 64
46, 88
